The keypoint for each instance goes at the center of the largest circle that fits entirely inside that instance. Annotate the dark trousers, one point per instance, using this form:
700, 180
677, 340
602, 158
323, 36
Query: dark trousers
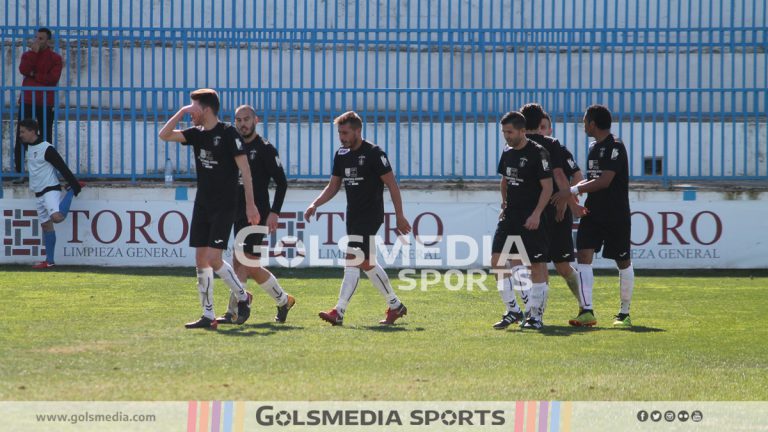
44, 116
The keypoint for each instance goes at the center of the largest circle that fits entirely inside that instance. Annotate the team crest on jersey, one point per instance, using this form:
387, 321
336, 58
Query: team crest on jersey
384, 161
615, 154
216, 141
252, 154
602, 153
523, 162
350, 172
343, 151
361, 160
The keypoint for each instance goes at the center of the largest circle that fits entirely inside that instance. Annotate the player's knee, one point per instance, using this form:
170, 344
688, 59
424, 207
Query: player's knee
365, 265
215, 262
496, 261
355, 260
563, 269
204, 259
539, 272
57, 217
584, 257
250, 261
200, 259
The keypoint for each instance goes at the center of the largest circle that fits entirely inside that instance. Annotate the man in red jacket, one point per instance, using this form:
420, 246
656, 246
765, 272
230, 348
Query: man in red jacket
41, 67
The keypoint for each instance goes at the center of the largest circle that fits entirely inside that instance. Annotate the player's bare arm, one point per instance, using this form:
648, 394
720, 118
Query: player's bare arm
272, 221
562, 185
403, 227
577, 209
250, 207
563, 198
169, 131
577, 178
595, 185
330, 191
564, 195
534, 219
503, 189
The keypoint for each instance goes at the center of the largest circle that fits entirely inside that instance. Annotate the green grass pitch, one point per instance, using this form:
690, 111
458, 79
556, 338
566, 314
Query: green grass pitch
80, 333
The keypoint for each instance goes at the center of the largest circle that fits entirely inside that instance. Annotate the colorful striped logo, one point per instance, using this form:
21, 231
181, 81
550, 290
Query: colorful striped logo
215, 416
543, 416
229, 416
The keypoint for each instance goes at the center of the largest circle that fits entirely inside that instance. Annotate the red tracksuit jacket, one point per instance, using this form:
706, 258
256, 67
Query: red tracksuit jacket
46, 66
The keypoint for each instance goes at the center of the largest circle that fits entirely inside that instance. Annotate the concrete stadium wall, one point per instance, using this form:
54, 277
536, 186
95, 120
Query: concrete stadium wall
155, 71
446, 150
640, 77
634, 61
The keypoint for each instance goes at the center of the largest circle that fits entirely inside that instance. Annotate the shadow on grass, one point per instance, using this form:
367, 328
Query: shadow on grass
388, 329
555, 330
637, 329
261, 329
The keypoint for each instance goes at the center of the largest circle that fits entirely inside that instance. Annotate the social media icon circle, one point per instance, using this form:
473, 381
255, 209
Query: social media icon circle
656, 416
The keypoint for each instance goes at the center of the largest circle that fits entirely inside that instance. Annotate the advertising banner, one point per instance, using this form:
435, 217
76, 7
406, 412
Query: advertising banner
447, 233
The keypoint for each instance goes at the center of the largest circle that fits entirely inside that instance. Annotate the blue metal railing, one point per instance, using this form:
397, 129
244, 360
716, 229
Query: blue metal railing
686, 81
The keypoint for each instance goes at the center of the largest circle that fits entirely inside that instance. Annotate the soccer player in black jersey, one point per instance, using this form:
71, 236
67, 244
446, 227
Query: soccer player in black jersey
219, 153
364, 169
565, 172
265, 165
545, 128
526, 187
607, 224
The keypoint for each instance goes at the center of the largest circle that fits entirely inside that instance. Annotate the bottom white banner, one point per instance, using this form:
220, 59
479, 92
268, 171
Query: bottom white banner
519, 416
